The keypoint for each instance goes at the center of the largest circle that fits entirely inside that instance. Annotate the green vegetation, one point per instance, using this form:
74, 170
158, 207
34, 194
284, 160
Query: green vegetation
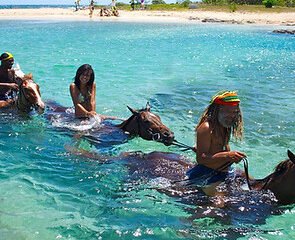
217, 5
158, 2
269, 3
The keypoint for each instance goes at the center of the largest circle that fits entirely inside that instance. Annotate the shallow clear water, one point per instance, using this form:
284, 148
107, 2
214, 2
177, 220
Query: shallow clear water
48, 193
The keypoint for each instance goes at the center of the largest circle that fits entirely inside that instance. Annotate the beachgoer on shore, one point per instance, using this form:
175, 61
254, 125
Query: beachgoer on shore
91, 8
114, 9
8, 80
132, 4
77, 5
83, 93
142, 4
221, 120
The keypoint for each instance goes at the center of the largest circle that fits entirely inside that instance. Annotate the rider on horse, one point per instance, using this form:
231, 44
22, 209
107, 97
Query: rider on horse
220, 120
8, 80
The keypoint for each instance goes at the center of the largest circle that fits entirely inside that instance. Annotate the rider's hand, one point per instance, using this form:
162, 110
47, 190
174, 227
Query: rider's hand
194, 149
235, 156
10, 102
91, 114
13, 86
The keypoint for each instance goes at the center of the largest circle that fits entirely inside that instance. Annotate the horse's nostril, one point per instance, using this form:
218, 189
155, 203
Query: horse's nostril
171, 135
168, 134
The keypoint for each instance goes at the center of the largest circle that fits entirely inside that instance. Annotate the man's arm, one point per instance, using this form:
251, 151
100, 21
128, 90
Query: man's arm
13, 86
215, 160
6, 103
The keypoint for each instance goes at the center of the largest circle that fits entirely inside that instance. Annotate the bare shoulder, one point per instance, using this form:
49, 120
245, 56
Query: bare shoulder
204, 128
94, 86
73, 87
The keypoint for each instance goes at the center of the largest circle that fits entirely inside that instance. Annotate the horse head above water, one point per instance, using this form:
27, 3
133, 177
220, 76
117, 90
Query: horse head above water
147, 125
29, 96
281, 182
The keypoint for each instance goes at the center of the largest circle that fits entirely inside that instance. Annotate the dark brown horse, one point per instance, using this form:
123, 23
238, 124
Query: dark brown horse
281, 182
172, 167
29, 96
147, 125
142, 123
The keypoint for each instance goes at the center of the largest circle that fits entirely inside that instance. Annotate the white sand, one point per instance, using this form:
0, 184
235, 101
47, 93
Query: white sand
190, 16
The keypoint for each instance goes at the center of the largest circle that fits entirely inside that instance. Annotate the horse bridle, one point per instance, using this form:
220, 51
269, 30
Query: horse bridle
155, 136
23, 94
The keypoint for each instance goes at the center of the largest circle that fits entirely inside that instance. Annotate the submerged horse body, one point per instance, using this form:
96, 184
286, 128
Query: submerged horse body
165, 172
142, 123
281, 182
172, 167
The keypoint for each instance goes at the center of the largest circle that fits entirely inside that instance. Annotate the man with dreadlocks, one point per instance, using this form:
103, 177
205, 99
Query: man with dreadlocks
221, 120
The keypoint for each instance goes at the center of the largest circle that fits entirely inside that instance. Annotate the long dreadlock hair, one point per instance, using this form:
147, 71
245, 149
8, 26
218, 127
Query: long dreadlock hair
211, 115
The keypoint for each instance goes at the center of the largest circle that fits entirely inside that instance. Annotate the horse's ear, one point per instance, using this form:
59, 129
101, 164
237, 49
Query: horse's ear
291, 156
134, 112
28, 76
148, 107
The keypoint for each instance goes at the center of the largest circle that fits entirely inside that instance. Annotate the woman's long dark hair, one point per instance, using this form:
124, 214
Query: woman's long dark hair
80, 70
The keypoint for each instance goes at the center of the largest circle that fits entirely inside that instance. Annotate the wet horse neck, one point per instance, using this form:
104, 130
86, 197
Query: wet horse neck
22, 103
280, 182
131, 125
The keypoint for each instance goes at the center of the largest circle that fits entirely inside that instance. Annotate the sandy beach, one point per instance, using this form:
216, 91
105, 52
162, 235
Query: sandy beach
190, 16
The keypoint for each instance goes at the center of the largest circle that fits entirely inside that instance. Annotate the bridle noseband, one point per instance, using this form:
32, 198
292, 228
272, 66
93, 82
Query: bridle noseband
27, 105
154, 136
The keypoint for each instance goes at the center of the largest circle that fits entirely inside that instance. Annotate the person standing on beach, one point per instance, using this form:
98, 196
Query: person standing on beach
114, 9
8, 80
83, 93
221, 120
132, 4
91, 8
142, 4
77, 5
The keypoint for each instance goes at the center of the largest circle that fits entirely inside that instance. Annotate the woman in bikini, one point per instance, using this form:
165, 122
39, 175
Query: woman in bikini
83, 91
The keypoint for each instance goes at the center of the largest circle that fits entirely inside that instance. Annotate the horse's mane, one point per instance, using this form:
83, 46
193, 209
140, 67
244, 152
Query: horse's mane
126, 122
283, 166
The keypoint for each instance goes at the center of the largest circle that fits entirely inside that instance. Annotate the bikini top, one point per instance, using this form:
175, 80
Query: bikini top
84, 99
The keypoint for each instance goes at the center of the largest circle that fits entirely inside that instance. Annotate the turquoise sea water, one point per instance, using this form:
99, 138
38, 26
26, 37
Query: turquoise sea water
48, 193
